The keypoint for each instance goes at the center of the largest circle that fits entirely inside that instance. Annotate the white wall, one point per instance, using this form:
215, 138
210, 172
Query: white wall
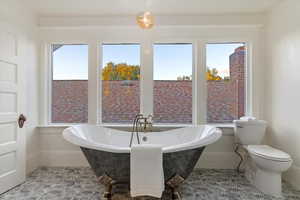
57, 152
282, 98
129, 21
24, 24
45, 146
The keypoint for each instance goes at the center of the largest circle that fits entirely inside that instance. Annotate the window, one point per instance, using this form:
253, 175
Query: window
120, 82
225, 74
173, 66
69, 100
170, 84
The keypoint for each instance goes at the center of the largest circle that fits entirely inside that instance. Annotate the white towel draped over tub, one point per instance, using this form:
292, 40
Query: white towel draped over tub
146, 170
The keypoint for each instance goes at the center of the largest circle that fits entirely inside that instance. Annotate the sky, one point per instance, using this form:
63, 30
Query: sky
70, 62
217, 56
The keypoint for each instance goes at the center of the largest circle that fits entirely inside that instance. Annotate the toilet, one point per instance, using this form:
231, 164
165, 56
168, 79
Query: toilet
269, 162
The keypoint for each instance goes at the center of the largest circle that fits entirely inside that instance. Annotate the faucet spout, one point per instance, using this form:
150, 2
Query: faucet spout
140, 122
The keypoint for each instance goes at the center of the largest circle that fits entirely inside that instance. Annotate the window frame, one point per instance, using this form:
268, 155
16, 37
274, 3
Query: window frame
48, 76
194, 78
99, 77
248, 73
146, 80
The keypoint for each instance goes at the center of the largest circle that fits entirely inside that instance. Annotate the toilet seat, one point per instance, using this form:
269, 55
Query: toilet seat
269, 153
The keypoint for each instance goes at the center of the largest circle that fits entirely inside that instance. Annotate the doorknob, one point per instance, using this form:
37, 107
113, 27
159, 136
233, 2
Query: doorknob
21, 120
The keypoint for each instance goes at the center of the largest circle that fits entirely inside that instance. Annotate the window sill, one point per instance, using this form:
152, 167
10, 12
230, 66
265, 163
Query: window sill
115, 125
56, 125
218, 125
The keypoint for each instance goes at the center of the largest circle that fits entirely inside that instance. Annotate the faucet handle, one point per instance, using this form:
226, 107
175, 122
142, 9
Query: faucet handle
138, 115
150, 119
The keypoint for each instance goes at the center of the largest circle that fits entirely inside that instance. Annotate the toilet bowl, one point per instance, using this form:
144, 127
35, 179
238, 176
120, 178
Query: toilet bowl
270, 163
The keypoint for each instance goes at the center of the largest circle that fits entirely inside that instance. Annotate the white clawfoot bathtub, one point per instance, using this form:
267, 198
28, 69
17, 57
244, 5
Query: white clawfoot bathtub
108, 153
116, 141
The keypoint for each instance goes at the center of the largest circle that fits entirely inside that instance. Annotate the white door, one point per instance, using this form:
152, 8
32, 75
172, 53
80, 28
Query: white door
12, 138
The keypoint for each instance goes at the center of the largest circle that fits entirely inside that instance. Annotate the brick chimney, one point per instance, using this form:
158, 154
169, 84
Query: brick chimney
237, 78
237, 64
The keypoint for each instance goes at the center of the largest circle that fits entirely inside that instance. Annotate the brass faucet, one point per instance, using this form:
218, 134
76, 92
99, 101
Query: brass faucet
146, 123
140, 123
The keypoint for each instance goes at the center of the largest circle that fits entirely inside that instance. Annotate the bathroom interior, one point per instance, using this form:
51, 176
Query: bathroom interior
149, 99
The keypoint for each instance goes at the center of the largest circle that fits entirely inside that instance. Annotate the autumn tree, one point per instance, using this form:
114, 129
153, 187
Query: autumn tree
123, 71
212, 75
120, 71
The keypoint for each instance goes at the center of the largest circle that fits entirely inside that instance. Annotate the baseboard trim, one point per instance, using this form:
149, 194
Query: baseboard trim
218, 160
32, 162
293, 176
63, 159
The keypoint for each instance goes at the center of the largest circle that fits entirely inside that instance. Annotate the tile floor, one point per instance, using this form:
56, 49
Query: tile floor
80, 183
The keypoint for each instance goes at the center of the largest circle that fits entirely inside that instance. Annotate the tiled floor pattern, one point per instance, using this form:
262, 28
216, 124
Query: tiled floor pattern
80, 183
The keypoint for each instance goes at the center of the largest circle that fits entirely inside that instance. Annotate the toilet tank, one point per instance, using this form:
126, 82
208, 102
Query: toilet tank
250, 132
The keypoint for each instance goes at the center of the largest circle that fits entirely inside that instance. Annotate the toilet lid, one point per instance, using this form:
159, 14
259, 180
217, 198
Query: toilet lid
268, 152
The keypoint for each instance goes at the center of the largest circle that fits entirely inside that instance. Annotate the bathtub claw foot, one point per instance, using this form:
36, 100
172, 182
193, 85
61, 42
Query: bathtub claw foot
174, 183
107, 195
108, 183
176, 196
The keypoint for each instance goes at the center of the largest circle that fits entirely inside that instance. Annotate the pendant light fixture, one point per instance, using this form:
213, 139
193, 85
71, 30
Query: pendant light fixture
145, 20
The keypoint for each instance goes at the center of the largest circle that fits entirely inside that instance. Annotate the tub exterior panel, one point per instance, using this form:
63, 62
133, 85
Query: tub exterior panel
117, 165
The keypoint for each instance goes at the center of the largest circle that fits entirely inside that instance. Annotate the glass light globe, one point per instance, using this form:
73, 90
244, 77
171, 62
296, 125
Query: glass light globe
145, 20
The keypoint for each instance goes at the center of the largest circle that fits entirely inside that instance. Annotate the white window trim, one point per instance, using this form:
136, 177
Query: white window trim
47, 84
99, 67
146, 81
146, 74
249, 70
201, 92
94, 88
195, 114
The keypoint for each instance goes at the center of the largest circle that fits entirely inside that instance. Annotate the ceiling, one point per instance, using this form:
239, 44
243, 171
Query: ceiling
158, 7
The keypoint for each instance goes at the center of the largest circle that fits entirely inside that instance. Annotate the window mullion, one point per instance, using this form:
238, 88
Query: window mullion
92, 82
194, 85
146, 78
201, 88
249, 79
47, 85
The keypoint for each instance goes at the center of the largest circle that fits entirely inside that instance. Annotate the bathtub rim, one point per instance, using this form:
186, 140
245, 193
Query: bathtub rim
68, 134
